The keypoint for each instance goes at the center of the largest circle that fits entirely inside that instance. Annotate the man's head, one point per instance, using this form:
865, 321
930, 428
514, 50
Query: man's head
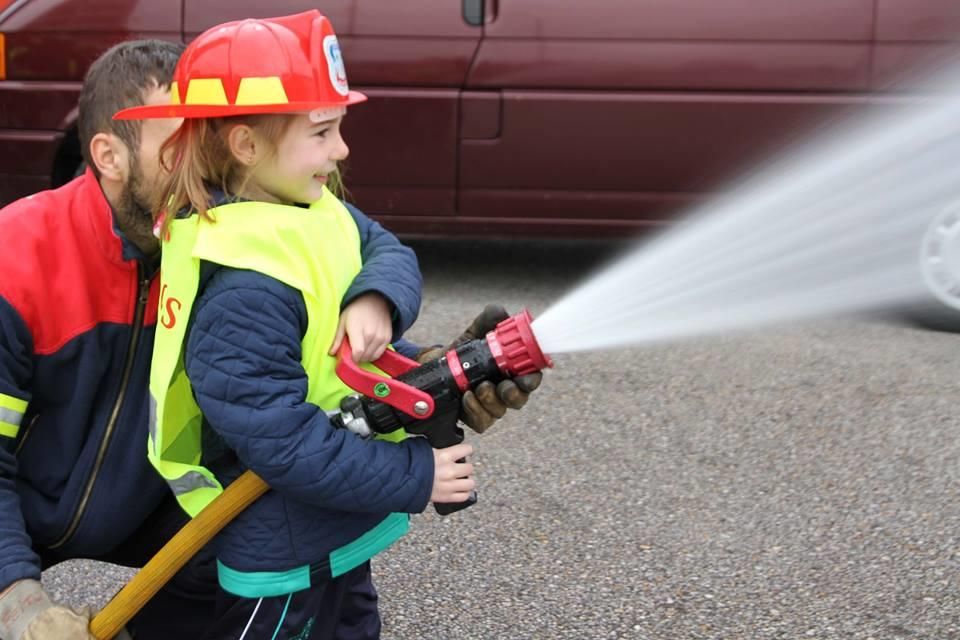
124, 154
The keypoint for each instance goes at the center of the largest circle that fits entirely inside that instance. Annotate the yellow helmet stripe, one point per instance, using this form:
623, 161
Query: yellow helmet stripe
255, 91
206, 91
251, 92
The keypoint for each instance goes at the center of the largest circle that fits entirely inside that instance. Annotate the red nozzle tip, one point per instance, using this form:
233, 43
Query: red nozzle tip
515, 348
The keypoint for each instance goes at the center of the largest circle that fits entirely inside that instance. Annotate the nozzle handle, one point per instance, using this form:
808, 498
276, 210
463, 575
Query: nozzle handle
397, 394
446, 508
441, 439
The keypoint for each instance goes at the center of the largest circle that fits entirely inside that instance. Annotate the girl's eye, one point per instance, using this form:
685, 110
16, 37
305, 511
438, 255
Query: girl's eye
321, 133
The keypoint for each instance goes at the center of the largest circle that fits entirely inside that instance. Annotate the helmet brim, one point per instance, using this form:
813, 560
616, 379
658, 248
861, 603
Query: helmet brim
153, 111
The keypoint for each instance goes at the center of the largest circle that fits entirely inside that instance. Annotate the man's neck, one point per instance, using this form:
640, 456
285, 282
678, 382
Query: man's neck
139, 234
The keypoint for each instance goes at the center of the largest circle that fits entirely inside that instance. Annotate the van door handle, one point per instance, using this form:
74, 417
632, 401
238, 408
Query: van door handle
473, 12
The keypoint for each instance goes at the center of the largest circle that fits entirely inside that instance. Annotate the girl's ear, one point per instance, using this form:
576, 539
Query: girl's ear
110, 156
243, 144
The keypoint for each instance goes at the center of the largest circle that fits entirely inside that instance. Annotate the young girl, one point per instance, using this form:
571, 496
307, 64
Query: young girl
255, 266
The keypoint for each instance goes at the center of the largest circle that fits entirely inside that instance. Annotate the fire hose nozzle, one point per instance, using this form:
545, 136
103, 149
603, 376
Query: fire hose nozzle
514, 346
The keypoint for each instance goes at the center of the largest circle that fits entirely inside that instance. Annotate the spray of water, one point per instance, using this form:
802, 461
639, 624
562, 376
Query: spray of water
836, 227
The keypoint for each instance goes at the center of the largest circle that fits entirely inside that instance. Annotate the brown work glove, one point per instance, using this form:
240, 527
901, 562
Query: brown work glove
483, 406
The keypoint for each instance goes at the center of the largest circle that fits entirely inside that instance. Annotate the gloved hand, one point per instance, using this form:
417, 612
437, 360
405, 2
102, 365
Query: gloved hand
486, 404
27, 613
60, 623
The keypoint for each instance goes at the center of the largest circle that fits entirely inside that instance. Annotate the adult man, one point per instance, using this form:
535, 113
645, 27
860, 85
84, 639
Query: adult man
77, 310
78, 307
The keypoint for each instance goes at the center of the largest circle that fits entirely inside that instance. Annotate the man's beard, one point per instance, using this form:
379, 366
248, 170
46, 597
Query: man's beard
135, 212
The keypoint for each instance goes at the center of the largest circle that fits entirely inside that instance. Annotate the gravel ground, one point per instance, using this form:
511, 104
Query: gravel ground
792, 483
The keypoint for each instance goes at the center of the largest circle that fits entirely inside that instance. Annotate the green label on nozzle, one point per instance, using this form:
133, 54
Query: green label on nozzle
382, 390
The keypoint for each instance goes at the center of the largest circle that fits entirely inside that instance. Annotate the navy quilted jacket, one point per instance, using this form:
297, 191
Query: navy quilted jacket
243, 359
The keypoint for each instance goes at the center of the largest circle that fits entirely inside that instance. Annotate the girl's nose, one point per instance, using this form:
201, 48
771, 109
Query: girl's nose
342, 150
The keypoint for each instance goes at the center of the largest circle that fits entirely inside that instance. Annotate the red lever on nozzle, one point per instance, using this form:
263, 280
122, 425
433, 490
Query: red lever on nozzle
400, 396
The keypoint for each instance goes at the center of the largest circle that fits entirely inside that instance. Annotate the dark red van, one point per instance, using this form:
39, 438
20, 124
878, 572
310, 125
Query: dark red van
514, 116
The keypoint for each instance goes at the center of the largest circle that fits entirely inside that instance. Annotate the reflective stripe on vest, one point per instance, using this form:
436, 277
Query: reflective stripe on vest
315, 250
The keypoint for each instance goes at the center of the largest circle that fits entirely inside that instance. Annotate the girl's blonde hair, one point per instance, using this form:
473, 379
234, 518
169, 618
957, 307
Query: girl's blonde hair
197, 158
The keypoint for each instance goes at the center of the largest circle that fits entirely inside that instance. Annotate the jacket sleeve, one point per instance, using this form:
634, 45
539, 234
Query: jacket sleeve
243, 359
406, 348
17, 560
390, 269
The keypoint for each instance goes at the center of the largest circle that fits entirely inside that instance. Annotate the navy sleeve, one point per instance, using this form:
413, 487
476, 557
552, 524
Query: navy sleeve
390, 269
17, 559
406, 348
243, 358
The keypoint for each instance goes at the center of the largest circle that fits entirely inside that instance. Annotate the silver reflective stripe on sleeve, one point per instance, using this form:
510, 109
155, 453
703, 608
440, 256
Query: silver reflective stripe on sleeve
190, 481
10, 422
11, 415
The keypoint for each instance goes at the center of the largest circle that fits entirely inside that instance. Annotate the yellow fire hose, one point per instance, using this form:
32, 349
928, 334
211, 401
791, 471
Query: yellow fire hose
199, 531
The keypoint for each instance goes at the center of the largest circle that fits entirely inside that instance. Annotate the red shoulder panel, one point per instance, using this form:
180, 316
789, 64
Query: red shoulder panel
62, 265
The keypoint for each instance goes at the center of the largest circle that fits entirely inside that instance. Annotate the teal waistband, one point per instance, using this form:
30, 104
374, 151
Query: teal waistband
263, 584
267, 584
390, 529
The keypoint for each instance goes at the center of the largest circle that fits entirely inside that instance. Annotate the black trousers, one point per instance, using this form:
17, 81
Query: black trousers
342, 608
184, 608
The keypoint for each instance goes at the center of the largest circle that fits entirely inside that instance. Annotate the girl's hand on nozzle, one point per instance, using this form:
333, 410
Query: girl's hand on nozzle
368, 323
452, 480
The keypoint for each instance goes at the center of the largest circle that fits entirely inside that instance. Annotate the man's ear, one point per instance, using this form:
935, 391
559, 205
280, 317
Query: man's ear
110, 156
243, 144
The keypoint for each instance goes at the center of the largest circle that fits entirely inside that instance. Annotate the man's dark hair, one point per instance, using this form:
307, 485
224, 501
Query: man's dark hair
119, 79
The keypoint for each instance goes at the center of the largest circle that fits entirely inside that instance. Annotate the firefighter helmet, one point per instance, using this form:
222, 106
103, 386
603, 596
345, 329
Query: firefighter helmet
288, 64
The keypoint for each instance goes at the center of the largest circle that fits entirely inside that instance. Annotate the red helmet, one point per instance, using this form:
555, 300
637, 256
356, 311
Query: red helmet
274, 65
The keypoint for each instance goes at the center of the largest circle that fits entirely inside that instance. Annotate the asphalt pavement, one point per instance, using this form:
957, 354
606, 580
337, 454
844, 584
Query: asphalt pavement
799, 482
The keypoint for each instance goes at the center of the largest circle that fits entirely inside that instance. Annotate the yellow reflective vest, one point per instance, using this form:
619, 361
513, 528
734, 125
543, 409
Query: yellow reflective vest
314, 250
